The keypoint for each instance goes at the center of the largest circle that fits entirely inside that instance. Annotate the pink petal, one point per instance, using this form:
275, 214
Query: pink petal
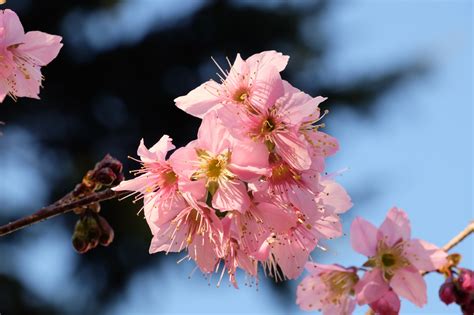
14, 31
389, 304
184, 160
424, 256
396, 227
249, 160
311, 293
328, 227
202, 251
315, 268
345, 307
275, 217
163, 146
371, 287
138, 184
335, 196
409, 283
26, 83
212, 135
41, 47
298, 106
266, 88
231, 195
364, 237
290, 255
292, 149
266, 58
200, 100
321, 144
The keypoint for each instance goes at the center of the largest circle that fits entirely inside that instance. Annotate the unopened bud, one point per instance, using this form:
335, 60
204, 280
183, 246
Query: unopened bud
80, 245
466, 281
110, 162
447, 292
107, 233
104, 176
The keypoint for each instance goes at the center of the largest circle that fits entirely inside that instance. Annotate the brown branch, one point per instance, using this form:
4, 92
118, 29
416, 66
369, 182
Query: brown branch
58, 208
460, 237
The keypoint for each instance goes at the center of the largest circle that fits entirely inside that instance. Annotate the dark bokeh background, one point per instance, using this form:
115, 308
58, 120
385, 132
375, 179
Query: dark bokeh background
114, 82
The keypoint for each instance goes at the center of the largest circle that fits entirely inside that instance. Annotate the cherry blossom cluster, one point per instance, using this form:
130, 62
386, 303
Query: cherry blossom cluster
393, 269
22, 56
250, 189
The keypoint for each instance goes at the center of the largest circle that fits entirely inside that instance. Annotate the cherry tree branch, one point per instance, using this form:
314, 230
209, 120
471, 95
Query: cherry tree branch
460, 237
58, 208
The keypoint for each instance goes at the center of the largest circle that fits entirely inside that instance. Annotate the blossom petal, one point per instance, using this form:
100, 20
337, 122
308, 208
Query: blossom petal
200, 100
335, 196
266, 58
396, 227
388, 304
409, 283
292, 149
425, 256
364, 237
371, 287
40, 47
310, 293
249, 160
13, 29
231, 195
212, 135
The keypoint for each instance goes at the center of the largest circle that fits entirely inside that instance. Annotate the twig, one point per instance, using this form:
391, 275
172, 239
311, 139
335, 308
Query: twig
59, 208
460, 237
449, 245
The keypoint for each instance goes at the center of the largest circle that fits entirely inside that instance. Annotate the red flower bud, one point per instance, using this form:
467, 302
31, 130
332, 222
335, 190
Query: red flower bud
447, 292
466, 281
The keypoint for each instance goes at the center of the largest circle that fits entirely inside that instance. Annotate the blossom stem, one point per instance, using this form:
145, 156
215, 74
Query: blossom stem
58, 208
449, 245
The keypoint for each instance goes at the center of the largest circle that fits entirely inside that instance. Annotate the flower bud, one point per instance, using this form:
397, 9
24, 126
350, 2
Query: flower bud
447, 292
107, 235
466, 281
110, 162
104, 176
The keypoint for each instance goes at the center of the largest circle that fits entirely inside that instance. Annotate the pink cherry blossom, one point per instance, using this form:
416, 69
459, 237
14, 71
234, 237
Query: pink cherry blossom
278, 123
156, 183
328, 288
246, 83
195, 227
22, 56
209, 161
395, 258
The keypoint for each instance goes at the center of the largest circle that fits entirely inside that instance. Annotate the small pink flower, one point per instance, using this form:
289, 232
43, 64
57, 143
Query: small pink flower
246, 83
220, 164
22, 56
195, 227
277, 123
396, 260
328, 288
156, 183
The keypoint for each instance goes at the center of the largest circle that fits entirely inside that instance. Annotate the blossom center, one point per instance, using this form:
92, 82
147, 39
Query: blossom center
241, 95
169, 178
388, 260
268, 125
339, 284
